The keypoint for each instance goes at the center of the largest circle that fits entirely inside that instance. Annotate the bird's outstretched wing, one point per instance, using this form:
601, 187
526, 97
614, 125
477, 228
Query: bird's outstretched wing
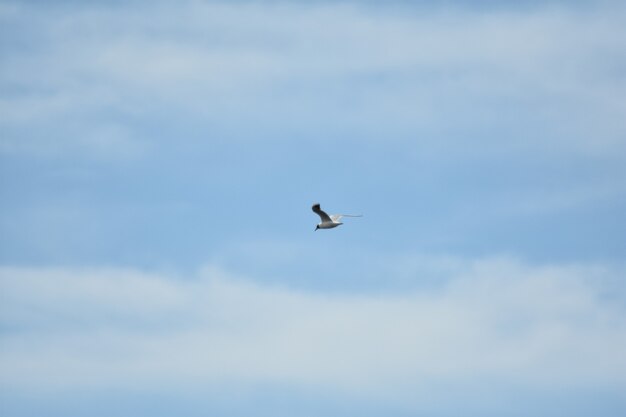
325, 218
337, 217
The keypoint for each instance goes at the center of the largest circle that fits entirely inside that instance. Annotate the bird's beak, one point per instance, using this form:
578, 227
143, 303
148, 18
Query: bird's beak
316, 227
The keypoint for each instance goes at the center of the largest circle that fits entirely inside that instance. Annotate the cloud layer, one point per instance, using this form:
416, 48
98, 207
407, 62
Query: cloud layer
557, 329
545, 74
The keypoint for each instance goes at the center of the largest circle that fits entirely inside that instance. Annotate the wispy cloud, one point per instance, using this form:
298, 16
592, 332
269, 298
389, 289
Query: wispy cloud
532, 75
548, 328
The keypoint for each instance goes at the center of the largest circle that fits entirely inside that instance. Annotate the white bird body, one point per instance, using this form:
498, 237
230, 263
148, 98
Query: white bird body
328, 222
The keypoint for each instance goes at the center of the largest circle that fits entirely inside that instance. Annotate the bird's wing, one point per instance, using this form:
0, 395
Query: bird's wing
339, 216
325, 218
336, 217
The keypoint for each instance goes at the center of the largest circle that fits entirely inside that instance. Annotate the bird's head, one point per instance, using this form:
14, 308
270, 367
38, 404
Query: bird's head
317, 227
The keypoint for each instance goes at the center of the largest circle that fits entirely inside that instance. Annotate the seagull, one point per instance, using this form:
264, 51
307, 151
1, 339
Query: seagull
328, 222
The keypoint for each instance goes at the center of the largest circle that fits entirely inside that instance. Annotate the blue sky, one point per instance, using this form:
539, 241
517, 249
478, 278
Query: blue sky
158, 162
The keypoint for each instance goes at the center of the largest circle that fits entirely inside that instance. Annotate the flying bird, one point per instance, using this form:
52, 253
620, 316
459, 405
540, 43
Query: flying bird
328, 222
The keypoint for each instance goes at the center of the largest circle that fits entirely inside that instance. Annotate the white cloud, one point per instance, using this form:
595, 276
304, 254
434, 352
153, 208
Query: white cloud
492, 320
547, 74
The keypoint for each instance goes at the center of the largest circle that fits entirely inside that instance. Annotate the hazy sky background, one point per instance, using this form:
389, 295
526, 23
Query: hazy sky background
158, 162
